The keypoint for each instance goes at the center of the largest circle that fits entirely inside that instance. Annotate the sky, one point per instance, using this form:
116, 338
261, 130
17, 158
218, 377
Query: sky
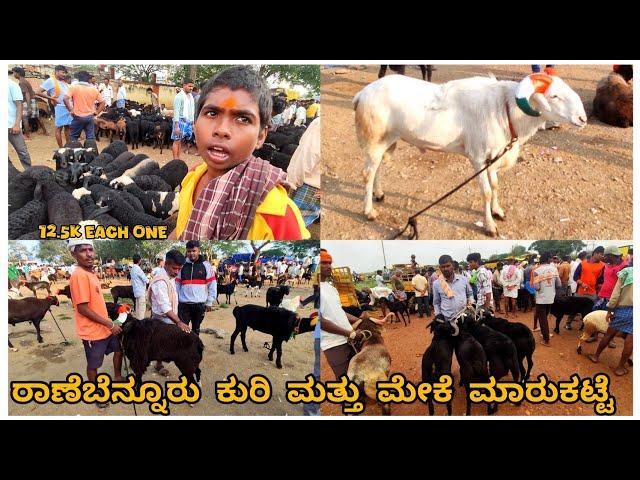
366, 255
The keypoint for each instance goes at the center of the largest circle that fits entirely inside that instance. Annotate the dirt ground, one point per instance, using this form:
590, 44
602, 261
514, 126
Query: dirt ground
406, 346
52, 360
568, 183
41, 149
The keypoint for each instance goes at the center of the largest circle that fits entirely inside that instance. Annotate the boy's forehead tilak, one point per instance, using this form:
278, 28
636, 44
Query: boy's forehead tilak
230, 102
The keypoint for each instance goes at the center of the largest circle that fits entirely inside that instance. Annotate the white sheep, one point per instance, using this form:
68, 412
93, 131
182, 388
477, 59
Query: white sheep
474, 117
594, 323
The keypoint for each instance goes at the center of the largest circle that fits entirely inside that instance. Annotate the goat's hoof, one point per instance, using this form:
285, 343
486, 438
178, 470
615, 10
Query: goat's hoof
278, 366
379, 198
246, 349
232, 352
371, 215
492, 233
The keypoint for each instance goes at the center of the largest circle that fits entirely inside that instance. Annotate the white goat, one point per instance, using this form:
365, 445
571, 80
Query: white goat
473, 117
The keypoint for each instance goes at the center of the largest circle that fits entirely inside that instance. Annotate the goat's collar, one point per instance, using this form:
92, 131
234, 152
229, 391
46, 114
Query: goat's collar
512, 130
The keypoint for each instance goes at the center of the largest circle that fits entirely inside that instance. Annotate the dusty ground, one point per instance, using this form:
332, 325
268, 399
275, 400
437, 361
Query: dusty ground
41, 151
569, 183
407, 345
53, 361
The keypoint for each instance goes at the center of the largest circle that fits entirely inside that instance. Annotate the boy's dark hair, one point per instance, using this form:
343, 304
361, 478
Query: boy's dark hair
599, 249
19, 71
175, 257
193, 244
474, 257
186, 81
278, 105
545, 257
136, 258
149, 89
499, 265
445, 259
379, 272
241, 77
83, 76
582, 255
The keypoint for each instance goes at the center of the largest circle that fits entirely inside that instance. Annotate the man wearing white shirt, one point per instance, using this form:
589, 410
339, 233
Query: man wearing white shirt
301, 116
183, 116
107, 92
122, 95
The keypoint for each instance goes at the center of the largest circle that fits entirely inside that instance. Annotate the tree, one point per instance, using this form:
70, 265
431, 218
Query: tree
54, 251
115, 249
518, 250
307, 76
140, 73
558, 247
18, 251
299, 248
256, 247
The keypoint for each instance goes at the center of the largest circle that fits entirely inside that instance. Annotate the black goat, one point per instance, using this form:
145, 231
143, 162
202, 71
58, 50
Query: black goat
122, 291
397, 307
436, 360
228, 289
276, 294
520, 335
278, 322
148, 340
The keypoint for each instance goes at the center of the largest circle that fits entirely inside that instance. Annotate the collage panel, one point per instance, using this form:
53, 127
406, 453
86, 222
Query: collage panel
189, 152
553, 318
209, 328
394, 145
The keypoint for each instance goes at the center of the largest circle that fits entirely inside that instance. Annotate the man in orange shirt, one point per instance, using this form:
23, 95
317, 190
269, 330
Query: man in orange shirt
93, 326
589, 276
83, 110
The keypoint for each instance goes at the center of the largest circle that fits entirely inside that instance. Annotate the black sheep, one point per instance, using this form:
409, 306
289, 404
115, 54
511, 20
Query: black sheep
173, 172
98, 191
122, 291
158, 204
125, 214
90, 211
278, 322
520, 335
500, 350
21, 189
28, 218
564, 305
116, 148
276, 294
152, 182
280, 160
147, 340
473, 366
436, 360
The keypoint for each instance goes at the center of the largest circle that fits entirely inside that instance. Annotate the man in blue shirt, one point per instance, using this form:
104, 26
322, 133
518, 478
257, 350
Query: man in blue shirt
139, 283
451, 291
54, 89
197, 287
15, 124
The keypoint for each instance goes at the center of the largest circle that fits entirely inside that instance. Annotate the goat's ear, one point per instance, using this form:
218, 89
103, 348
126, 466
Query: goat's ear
541, 101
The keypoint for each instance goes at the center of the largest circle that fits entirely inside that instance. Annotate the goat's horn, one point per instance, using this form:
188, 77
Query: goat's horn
456, 329
536, 83
356, 323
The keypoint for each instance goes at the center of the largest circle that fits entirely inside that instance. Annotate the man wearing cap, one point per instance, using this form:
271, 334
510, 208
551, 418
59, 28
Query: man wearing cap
197, 287
54, 89
163, 297
93, 326
452, 292
139, 283
336, 323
